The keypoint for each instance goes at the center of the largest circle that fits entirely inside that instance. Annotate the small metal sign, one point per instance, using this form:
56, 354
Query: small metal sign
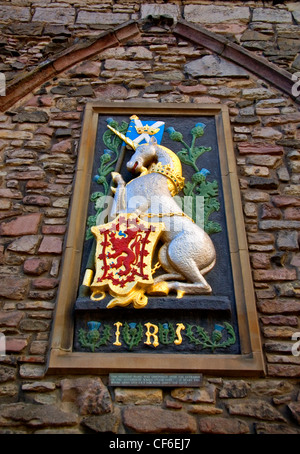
153, 380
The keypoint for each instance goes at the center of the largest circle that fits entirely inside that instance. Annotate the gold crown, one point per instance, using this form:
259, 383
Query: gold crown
146, 129
167, 171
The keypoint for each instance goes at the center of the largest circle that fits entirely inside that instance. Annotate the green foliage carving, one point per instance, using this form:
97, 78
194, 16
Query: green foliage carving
218, 339
166, 333
132, 334
107, 165
92, 338
97, 335
199, 186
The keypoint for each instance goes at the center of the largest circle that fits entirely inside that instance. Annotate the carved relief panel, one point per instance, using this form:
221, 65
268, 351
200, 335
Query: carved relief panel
156, 273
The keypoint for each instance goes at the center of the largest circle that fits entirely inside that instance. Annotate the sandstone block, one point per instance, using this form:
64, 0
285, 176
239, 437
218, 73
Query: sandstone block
27, 244
39, 200
260, 238
275, 429
284, 370
268, 211
203, 409
32, 371
90, 394
256, 93
204, 395
234, 388
152, 420
86, 69
215, 14
96, 17
282, 119
278, 332
263, 183
292, 213
266, 133
123, 65
225, 92
271, 387
15, 345
38, 116
273, 102
260, 260
13, 288
250, 210
54, 15
39, 386
45, 283
10, 193
172, 75
107, 423
7, 373
213, 425
111, 92
214, 66
31, 173
278, 225
271, 15
279, 306
288, 241
259, 148
84, 90
64, 146
18, 13
22, 225
296, 15
206, 100
275, 275
295, 409
50, 245
258, 409
252, 35
54, 229
34, 325
36, 266
192, 89
259, 171
15, 135
138, 396
35, 416
285, 201
160, 10
10, 318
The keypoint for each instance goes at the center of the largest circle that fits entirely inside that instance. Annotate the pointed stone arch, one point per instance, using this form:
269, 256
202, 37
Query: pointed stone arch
219, 45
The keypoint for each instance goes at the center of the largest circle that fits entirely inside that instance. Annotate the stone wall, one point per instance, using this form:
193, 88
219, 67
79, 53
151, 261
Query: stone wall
39, 138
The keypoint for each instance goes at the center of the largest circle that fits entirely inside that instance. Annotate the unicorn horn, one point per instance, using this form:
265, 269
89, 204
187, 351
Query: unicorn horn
126, 139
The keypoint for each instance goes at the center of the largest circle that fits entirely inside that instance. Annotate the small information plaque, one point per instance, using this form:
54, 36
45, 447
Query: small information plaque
154, 380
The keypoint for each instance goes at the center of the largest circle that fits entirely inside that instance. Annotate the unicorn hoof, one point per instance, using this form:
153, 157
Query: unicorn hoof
159, 289
180, 293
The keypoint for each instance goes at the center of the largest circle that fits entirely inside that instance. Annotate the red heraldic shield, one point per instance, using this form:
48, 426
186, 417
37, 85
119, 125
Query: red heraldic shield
124, 255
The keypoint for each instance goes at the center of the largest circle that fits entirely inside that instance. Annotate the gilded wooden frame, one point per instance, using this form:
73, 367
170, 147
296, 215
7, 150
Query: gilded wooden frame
62, 358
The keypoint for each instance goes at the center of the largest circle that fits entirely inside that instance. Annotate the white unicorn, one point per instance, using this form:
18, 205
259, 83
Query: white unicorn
187, 253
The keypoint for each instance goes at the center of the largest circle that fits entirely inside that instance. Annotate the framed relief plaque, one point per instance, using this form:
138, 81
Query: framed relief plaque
156, 275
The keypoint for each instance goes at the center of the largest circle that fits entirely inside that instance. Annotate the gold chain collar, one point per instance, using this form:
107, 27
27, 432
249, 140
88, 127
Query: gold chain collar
167, 171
